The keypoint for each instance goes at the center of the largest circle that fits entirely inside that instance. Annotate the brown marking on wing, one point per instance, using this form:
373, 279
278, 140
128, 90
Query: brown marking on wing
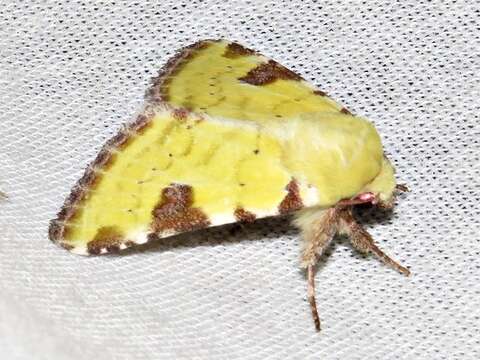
320, 93
345, 111
59, 227
244, 216
292, 200
158, 92
180, 113
268, 72
55, 229
140, 124
107, 237
235, 50
175, 211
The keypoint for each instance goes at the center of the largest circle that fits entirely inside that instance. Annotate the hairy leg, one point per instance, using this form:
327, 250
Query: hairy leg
363, 241
311, 295
319, 226
318, 229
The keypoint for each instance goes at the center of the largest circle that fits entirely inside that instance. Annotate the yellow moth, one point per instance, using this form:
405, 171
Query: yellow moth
229, 135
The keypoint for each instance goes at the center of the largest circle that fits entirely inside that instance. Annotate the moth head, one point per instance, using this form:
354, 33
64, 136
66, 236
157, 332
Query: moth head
383, 185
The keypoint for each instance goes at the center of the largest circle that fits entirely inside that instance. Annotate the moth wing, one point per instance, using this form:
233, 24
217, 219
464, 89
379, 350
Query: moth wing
197, 157
225, 79
172, 172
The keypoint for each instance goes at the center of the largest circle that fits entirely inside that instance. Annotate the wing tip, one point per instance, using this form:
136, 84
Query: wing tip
57, 227
156, 93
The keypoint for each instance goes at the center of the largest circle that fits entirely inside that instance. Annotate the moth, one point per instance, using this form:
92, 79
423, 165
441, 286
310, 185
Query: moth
228, 135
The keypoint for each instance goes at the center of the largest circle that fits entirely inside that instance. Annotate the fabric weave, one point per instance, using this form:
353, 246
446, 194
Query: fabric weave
72, 72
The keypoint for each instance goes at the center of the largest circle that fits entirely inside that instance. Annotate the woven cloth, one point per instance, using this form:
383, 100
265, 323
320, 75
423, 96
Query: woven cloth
72, 72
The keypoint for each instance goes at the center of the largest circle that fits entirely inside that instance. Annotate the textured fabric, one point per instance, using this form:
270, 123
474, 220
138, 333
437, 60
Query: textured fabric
72, 72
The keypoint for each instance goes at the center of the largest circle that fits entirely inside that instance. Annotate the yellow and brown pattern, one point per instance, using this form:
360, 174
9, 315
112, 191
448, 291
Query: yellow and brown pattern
292, 201
58, 228
244, 216
209, 149
175, 211
222, 69
269, 72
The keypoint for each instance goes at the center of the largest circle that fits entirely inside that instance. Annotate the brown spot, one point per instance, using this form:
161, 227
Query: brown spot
268, 72
175, 211
256, 151
292, 200
345, 111
107, 237
244, 216
180, 113
320, 93
235, 50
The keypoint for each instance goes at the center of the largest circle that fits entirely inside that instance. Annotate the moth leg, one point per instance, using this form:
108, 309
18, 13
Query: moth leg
311, 295
318, 229
363, 241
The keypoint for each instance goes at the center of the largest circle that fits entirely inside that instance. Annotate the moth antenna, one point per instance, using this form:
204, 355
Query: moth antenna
364, 198
402, 188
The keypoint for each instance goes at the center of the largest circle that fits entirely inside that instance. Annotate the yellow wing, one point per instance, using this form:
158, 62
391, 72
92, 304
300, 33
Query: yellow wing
167, 174
225, 79
263, 144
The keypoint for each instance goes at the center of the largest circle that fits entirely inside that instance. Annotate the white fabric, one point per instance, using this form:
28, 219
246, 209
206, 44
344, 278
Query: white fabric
72, 72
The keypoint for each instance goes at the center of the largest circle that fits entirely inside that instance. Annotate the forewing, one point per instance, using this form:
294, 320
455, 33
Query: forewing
172, 172
225, 79
199, 156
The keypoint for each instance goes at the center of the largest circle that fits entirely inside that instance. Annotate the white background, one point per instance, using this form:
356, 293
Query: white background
72, 72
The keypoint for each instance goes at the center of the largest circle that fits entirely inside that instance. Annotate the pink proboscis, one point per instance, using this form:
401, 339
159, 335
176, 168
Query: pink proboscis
363, 198
367, 197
